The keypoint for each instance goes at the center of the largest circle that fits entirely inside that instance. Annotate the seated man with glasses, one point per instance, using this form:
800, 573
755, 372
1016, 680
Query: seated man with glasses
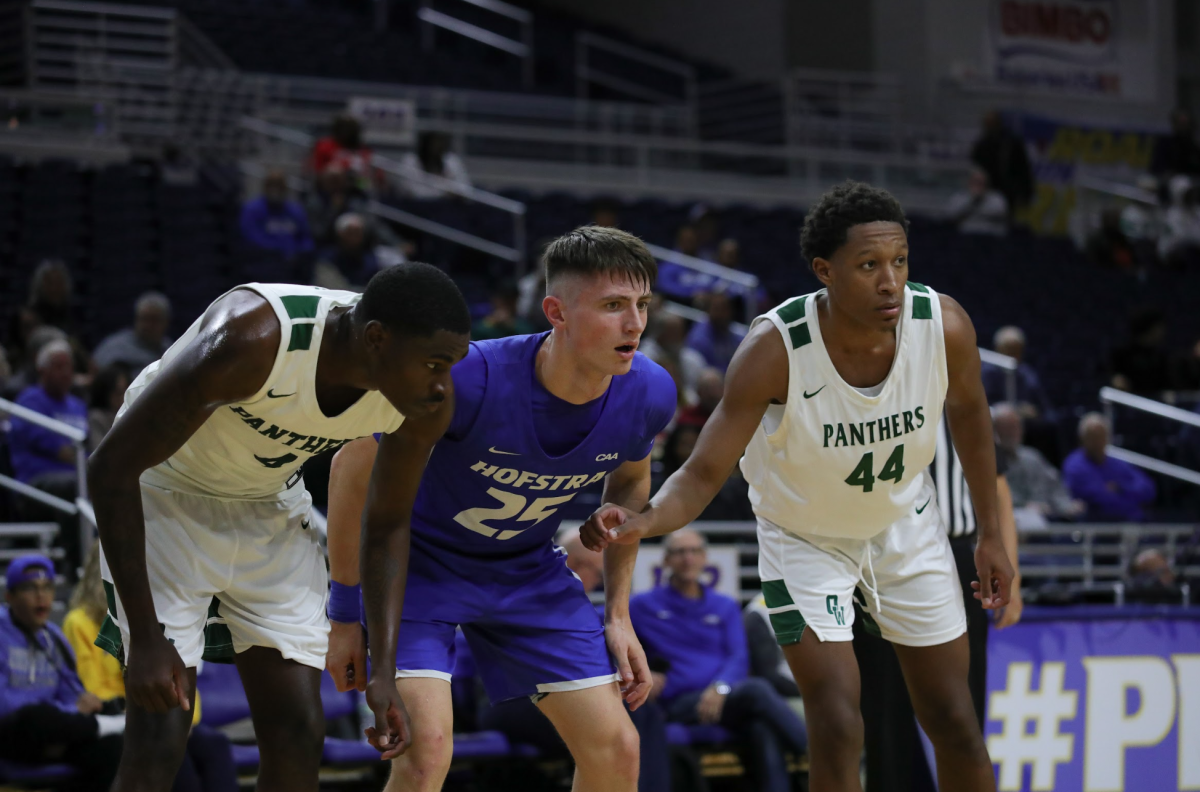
46, 717
697, 634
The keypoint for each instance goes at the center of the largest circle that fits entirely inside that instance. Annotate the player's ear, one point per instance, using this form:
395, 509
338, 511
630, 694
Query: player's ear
375, 335
822, 269
554, 308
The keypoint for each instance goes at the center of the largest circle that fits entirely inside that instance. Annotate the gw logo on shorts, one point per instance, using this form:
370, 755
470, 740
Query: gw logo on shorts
838, 612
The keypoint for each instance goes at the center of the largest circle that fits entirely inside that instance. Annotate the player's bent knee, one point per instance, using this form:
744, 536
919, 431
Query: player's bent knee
428, 759
615, 755
299, 733
954, 728
841, 724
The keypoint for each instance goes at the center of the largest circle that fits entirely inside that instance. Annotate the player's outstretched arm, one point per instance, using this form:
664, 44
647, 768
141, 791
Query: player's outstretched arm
383, 564
228, 361
971, 429
757, 378
349, 476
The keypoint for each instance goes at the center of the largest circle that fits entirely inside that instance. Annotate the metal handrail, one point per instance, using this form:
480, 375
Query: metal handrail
1157, 465
445, 232
1009, 364
78, 438
522, 49
1110, 396
585, 73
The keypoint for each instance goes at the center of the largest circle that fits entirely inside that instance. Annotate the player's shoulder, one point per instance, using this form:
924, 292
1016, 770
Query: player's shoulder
656, 380
510, 349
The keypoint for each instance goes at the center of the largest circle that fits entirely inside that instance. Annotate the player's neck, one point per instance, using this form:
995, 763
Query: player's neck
340, 368
565, 376
841, 329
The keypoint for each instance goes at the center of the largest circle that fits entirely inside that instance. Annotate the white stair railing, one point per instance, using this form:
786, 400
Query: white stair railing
521, 47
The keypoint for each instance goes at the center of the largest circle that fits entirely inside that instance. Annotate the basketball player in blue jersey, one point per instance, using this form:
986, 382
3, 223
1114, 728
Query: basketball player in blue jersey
536, 419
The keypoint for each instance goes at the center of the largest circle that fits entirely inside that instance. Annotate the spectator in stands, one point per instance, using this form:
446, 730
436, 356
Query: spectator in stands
46, 716
732, 501
273, 222
710, 386
766, 655
1001, 154
605, 213
504, 319
434, 157
1152, 580
698, 634
331, 197
1177, 153
344, 147
208, 763
729, 254
1033, 481
1114, 490
108, 394
1179, 244
1143, 365
670, 341
979, 209
51, 304
1031, 398
45, 459
678, 281
138, 346
715, 337
1109, 246
351, 262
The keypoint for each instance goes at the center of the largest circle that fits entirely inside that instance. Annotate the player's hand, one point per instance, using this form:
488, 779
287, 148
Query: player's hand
1012, 611
631, 661
612, 524
711, 705
88, 703
392, 733
995, 574
346, 660
155, 677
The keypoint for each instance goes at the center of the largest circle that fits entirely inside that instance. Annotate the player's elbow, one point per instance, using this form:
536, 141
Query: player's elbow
107, 471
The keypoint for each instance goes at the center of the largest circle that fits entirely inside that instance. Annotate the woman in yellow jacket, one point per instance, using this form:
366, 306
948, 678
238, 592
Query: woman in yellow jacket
208, 764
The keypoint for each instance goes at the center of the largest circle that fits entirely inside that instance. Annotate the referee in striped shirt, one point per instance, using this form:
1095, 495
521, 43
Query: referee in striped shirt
895, 757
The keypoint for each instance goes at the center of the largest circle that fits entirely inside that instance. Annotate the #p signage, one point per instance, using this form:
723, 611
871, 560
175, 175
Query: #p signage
1096, 705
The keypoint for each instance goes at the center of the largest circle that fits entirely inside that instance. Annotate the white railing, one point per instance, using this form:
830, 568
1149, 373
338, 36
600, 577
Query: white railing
82, 506
521, 48
588, 73
1111, 396
1009, 364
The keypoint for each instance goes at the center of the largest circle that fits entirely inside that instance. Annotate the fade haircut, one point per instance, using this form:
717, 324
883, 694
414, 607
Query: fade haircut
414, 299
595, 250
845, 206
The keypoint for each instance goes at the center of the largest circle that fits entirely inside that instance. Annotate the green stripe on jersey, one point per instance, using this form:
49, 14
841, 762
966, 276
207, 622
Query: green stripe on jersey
922, 308
800, 335
301, 337
775, 594
300, 306
791, 311
110, 595
218, 641
918, 287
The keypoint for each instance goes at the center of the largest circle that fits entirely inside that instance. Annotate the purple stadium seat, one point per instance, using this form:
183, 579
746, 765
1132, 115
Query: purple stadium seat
222, 699
40, 774
481, 745
245, 756
679, 734
339, 751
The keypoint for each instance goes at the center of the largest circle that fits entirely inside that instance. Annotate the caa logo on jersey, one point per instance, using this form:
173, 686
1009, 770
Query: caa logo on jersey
606, 457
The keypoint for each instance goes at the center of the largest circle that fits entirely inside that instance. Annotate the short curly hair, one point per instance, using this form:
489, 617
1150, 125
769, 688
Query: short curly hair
849, 204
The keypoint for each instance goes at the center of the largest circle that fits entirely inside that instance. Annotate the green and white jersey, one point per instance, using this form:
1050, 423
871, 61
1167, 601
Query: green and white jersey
834, 461
253, 450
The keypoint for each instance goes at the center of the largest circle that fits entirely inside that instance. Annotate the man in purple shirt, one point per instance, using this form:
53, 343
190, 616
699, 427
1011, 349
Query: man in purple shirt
44, 458
272, 222
715, 338
1114, 490
699, 635
45, 714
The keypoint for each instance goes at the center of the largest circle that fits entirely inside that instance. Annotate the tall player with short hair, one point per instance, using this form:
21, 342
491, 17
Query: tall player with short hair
536, 419
835, 397
203, 515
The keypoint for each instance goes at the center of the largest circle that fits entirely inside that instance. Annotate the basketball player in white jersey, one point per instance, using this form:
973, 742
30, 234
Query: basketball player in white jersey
204, 520
835, 398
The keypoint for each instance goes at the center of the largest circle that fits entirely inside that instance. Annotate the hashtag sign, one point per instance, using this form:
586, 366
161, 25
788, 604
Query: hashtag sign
1019, 704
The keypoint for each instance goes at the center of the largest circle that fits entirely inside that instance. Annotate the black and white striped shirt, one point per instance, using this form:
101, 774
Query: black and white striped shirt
954, 498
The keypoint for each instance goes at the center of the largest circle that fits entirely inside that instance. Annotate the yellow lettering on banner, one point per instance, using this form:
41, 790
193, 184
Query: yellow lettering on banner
1110, 729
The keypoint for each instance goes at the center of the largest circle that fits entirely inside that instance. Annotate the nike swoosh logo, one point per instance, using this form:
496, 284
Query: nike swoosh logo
495, 450
271, 394
808, 395
924, 505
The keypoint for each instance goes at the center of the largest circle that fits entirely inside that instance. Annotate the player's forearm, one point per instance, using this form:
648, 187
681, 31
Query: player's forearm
1008, 524
683, 497
619, 561
383, 569
117, 501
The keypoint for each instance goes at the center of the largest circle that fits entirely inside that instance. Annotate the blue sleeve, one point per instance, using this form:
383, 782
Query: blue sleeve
661, 401
470, 386
252, 225
643, 626
32, 438
1138, 486
70, 686
737, 657
7, 701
